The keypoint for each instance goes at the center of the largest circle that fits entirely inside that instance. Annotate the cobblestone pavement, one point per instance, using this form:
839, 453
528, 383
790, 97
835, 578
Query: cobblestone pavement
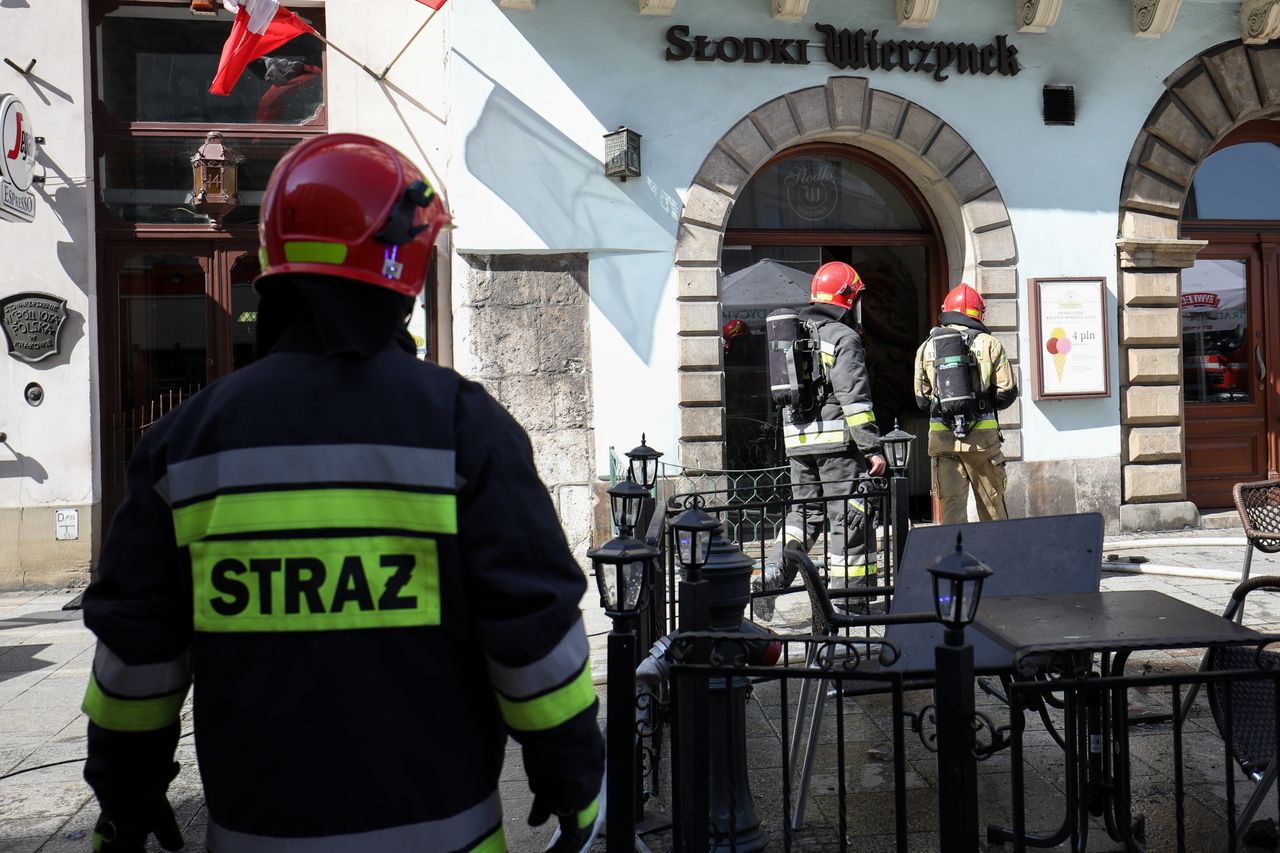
45, 655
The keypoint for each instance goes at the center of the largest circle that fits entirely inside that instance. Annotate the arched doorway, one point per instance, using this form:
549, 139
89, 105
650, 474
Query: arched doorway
1230, 315
808, 205
932, 162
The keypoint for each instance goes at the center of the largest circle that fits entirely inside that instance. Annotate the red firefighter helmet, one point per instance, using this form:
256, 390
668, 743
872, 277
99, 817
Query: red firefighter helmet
963, 299
350, 206
733, 329
836, 283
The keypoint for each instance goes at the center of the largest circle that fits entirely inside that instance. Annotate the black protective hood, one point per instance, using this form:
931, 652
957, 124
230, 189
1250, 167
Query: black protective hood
955, 318
329, 315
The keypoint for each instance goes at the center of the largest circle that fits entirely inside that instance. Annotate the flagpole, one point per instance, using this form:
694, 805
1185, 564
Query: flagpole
383, 75
328, 43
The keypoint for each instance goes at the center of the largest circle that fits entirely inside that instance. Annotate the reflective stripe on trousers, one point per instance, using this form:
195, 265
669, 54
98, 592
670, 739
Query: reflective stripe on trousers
476, 830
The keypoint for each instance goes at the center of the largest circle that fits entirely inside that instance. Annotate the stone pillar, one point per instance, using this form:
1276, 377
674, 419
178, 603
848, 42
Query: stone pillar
1151, 404
521, 330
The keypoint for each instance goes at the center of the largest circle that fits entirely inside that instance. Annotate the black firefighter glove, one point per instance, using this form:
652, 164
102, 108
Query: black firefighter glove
124, 827
573, 838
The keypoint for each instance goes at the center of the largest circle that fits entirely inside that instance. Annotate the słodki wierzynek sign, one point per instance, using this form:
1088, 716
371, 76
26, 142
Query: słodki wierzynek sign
850, 49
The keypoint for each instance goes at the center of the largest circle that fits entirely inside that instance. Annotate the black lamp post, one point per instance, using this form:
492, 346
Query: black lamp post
897, 450
713, 597
622, 570
644, 464
626, 499
694, 528
957, 590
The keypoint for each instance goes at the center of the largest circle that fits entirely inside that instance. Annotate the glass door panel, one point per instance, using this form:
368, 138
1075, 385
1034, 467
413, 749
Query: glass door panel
1215, 322
164, 320
244, 308
1223, 352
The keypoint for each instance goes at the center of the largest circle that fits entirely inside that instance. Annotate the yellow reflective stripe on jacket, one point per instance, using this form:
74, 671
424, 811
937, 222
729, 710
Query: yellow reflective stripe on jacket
131, 715
816, 438
856, 570
307, 509
989, 423
315, 584
495, 843
551, 709
587, 816
860, 419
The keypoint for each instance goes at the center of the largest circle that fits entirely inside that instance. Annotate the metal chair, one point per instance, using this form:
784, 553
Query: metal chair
1259, 507
827, 622
1252, 704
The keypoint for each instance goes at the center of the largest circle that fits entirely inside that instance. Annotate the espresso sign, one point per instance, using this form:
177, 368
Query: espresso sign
18, 151
32, 322
851, 49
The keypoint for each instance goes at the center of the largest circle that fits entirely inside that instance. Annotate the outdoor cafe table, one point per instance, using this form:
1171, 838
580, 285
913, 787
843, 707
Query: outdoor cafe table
1039, 629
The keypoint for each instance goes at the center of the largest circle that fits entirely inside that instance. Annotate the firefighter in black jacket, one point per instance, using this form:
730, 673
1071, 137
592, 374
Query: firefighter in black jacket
832, 445
350, 553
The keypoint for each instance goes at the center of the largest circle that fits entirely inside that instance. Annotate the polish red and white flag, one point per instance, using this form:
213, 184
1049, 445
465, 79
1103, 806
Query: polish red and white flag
260, 27
434, 4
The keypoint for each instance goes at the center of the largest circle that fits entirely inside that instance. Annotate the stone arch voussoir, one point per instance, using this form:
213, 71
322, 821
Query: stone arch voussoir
971, 211
1204, 100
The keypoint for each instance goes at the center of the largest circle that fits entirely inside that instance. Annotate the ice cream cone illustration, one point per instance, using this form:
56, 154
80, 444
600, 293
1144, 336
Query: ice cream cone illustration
1058, 346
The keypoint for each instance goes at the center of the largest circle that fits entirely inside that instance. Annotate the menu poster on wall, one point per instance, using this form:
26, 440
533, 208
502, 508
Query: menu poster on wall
1069, 338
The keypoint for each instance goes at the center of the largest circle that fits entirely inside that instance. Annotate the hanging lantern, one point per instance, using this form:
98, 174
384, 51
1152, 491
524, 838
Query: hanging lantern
214, 178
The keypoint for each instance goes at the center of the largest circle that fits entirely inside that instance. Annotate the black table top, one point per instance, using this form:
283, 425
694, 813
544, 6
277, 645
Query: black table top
1112, 621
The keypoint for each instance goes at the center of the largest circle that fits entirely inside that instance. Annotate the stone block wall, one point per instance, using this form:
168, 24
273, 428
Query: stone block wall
1203, 101
521, 329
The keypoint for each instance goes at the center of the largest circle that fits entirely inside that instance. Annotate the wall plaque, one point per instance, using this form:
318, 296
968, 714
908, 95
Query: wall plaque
32, 323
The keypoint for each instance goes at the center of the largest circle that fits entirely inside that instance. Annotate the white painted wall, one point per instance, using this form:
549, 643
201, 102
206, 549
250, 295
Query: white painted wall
48, 459
532, 92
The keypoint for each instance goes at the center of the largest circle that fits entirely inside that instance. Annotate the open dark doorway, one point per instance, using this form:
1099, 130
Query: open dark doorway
810, 205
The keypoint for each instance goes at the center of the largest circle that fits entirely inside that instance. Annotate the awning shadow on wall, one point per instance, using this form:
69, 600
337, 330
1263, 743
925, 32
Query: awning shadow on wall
628, 289
558, 189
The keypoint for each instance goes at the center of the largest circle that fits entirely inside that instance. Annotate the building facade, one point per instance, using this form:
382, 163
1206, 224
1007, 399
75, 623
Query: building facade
1102, 172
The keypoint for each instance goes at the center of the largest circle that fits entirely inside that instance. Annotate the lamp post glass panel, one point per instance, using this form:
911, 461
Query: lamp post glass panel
644, 464
620, 575
897, 446
626, 500
957, 587
694, 529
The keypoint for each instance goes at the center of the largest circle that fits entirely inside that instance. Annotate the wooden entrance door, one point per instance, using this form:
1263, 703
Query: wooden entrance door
1228, 304
176, 314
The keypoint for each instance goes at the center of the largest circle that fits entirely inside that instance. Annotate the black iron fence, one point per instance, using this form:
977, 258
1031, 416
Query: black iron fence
742, 727
734, 739
759, 517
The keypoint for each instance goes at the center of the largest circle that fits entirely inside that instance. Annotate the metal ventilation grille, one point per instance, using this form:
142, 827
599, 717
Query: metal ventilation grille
1060, 105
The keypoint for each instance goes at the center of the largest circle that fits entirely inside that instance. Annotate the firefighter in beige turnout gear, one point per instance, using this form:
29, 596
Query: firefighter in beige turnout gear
972, 460
831, 446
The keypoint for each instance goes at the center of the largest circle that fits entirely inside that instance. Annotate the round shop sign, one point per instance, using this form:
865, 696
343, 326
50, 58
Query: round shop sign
18, 151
